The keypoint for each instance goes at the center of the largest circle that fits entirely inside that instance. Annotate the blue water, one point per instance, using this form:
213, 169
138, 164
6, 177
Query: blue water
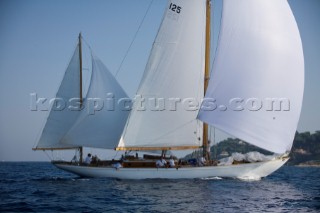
40, 187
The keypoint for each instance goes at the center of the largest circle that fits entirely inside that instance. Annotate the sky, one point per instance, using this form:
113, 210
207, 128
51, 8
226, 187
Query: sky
37, 40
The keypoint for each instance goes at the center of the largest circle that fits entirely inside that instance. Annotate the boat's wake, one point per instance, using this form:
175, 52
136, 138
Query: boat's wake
212, 178
249, 178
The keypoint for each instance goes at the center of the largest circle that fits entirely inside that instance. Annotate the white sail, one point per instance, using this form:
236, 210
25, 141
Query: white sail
259, 58
101, 123
174, 70
61, 120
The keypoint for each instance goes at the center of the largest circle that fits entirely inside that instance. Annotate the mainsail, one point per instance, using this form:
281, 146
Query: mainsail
259, 63
72, 128
173, 72
60, 121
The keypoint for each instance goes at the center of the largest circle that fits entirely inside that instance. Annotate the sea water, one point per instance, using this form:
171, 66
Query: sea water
41, 187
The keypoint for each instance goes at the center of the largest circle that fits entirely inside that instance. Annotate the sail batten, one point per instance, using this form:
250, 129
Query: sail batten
258, 74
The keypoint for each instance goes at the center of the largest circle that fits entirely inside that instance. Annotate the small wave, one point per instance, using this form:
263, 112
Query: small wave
212, 178
249, 178
52, 178
16, 207
8, 181
80, 179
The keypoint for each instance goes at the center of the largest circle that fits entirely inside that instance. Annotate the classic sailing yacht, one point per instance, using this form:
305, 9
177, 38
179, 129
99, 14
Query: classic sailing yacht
259, 63
81, 124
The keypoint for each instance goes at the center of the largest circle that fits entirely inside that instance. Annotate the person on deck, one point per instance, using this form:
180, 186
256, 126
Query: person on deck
117, 165
171, 163
88, 159
161, 163
202, 161
95, 159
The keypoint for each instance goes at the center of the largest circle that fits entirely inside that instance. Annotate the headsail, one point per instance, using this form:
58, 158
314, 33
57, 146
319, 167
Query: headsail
259, 63
103, 128
174, 70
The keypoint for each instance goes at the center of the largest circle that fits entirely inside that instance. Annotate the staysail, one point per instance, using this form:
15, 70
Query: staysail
100, 128
173, 77
256, 89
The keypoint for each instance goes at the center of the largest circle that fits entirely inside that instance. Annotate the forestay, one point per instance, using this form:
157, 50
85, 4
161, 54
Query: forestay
259, 58
174, 70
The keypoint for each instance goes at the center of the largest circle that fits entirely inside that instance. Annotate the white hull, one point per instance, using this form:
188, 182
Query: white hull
241, 171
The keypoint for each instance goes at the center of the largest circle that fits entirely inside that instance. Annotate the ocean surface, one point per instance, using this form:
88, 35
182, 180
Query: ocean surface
41, 187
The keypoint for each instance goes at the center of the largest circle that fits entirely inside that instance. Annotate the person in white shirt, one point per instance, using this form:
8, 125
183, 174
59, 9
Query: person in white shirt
161, 163
88, 159
202, 161
117, 165
171, 162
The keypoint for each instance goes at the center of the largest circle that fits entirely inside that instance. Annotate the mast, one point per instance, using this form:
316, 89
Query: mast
206, 143
80, 72
80, 59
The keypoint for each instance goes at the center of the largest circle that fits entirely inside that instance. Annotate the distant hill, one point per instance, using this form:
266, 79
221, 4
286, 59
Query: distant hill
305, 150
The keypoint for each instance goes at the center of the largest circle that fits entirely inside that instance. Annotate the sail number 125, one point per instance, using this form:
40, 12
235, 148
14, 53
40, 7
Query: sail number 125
175, 8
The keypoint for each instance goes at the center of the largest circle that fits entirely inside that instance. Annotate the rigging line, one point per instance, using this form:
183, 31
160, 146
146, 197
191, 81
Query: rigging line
85, 41
114, 157
48, 156
215, 49
212, 50
134, 38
